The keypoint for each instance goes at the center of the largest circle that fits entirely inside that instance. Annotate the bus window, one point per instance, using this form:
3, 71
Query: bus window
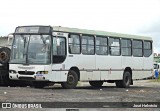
101, 46
147, 48
88, 45
137, 48
114, 46
126, 47
74, 44
59, 50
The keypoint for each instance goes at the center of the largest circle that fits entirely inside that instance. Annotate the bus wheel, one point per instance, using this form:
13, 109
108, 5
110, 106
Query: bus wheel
125, 83
72, 80
4, 55
38, 84
96, 83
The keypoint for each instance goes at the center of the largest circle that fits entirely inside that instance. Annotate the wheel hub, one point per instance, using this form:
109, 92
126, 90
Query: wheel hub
70, 79
3, 56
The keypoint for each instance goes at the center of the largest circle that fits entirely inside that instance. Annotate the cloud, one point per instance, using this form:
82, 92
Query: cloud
152, 29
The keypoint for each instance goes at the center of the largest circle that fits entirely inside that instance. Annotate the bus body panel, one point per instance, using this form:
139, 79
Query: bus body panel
103, 67
85, 63
115, 68
147, 64
59, 76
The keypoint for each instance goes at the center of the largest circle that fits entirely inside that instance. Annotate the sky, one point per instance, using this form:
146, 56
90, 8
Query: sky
138, 17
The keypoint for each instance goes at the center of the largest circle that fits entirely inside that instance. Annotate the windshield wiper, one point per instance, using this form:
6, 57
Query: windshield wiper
43, 39
27, 62
26, 44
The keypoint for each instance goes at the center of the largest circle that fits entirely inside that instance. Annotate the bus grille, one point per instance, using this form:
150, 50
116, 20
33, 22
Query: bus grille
26, 72
26, 78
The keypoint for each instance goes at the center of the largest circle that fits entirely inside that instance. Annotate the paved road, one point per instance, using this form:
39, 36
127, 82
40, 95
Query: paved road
141, 91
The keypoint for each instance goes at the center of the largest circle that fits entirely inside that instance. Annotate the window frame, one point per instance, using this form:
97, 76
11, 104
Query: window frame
151, 43
69, 36
126, 47
114, 46
88, 35
62, 58
137, 48
98, 36
65, 44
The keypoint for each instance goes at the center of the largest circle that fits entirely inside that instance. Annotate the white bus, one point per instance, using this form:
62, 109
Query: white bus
45, 54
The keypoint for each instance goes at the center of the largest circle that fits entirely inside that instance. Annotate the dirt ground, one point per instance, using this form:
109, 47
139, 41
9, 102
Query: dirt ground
141, 91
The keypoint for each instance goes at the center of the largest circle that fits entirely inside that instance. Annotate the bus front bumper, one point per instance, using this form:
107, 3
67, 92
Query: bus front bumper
35, 77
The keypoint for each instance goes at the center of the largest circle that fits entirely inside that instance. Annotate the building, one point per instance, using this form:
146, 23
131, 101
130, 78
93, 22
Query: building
157, 57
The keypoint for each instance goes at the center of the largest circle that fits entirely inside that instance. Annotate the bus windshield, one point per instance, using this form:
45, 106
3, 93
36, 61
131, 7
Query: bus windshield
31, 49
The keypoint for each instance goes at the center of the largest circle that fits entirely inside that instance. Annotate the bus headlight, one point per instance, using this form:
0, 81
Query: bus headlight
12, 71
42, 72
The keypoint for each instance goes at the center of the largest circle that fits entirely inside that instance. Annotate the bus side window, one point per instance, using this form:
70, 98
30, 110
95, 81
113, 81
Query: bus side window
147, 49
59, 50
114, 46
88, 45
137, 48
126, 47
101, 45
74, 44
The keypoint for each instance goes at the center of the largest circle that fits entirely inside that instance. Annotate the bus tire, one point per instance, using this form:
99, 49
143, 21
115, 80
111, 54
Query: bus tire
4, 55
72, 80
96, 83
38, 84
125, 83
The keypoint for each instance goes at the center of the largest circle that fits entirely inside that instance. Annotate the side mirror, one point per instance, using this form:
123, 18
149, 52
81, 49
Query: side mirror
70, 40
10, 39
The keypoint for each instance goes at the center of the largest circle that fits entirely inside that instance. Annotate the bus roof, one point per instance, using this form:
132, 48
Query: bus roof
97, 32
